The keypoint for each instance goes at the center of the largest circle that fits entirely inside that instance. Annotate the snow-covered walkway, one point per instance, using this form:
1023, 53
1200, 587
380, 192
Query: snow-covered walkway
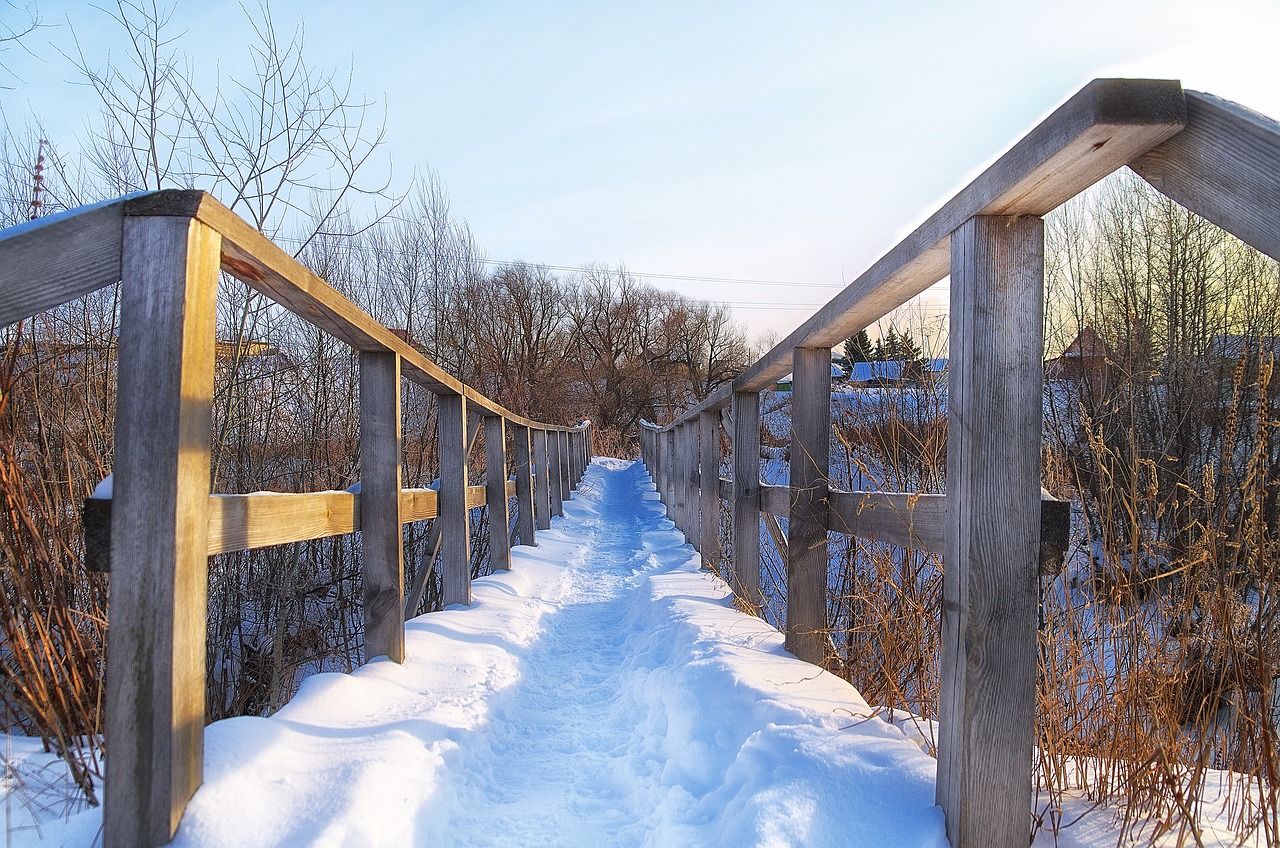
602, 693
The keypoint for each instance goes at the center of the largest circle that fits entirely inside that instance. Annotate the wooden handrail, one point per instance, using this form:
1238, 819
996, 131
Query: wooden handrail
994, 528
68, 255
166, 248
262, 519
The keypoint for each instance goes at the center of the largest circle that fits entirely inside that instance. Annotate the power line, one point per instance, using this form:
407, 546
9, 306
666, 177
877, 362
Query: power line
693, 278
738, 304
690, 277
741, 304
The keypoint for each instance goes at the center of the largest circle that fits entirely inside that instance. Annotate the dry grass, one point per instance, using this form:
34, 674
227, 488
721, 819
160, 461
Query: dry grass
1160, 655
1159, 648
52, 613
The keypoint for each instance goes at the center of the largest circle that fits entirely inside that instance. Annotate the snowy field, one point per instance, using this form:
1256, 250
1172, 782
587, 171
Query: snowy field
602, 693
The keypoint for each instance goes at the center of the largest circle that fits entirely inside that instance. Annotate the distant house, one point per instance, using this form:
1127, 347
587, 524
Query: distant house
869, 375
1231, 349
1086, 356
892, 372
244, 348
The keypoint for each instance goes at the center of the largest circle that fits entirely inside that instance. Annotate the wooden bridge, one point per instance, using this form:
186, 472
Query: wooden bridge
993, 526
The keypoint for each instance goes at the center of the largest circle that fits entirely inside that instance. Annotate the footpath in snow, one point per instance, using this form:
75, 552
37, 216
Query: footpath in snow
603, 693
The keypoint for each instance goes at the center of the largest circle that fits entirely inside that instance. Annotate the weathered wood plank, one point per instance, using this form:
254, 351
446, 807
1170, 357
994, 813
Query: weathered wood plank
659, 469
709, 489
523, 461
381, 539
554, 460
542, 479
676, 506
807, 523
566, 463
455, 554
693, 468
987, 701
668, 476
156, 643
417, 505
495, 459
906, 520
687, 468
262, 519
1225, 167
916, 521
413, 598
745, 497
48, 262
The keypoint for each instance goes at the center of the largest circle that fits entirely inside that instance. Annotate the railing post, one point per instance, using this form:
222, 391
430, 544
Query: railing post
673, 482
660, 463
692, 483
995, 384
524, 485
709, 491
455, 530
566, 459
807, 558
381, 536
553, 472
746, 499
542, 479
681, 480
669, 464
495, 492
155, 686
570, 462
653, 457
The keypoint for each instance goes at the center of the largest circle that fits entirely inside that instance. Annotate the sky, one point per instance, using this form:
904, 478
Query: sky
789, 143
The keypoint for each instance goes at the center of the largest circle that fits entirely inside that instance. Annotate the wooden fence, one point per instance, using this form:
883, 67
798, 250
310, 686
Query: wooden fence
166, 248
993, 527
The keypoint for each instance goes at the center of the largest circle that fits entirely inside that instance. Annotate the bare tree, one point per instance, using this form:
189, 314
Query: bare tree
16, 23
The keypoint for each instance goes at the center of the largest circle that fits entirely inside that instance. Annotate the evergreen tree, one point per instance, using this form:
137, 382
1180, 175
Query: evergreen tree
859, 348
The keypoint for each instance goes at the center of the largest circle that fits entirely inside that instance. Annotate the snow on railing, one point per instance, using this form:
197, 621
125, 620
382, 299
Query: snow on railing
993, 527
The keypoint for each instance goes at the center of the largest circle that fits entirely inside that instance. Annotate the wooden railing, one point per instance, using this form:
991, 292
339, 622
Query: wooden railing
993, 527
166, 249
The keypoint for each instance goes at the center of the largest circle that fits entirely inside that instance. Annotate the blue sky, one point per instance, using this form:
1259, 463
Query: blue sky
760, 141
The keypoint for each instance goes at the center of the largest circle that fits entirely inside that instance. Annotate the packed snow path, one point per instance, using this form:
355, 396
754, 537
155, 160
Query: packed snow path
602, 693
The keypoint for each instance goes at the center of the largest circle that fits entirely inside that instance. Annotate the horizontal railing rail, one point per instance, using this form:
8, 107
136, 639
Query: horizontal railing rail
262, 519
161, 522
994, 528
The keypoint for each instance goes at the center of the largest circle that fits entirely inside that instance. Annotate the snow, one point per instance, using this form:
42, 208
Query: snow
602, 692
104, 490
